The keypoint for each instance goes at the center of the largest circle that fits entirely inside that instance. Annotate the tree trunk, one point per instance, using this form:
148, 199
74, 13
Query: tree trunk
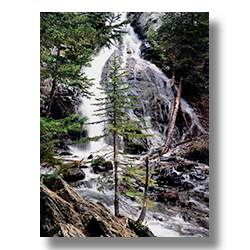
171, 114
51, 97
171, 124
144, 208
115, 162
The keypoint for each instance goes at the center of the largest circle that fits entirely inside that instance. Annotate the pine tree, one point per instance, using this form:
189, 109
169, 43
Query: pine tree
68, 40
114, 111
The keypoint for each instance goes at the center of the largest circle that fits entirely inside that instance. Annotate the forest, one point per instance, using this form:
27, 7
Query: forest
149, 174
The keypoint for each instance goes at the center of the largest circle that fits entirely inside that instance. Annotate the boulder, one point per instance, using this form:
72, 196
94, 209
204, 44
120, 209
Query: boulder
74, 174
65, 213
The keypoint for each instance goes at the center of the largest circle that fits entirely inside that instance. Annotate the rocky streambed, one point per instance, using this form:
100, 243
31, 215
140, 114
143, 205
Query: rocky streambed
181, 197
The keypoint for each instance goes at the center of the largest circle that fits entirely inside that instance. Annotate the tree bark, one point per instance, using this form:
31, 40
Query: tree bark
171, 124
144, 208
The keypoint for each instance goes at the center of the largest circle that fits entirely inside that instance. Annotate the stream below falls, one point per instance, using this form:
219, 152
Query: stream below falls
183, 215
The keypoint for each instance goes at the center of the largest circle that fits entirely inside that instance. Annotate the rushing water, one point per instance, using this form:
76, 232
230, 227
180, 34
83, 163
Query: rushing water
154, 92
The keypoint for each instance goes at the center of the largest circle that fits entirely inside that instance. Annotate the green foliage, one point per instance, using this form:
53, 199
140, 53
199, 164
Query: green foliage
182, 44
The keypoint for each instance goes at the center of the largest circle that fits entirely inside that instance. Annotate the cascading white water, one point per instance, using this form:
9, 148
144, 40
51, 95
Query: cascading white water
153, 89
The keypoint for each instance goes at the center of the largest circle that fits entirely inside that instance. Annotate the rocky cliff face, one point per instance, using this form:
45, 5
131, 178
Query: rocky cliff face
65, 213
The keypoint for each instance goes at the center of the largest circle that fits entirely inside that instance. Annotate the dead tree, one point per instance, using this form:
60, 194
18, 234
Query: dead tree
172, 120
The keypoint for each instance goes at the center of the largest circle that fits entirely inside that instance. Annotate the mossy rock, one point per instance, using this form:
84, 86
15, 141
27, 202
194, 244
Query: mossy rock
199, 151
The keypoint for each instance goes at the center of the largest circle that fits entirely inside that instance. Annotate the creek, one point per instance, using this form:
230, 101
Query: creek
188, 218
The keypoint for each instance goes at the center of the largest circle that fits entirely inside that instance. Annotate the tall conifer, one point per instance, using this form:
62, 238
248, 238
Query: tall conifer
114, 111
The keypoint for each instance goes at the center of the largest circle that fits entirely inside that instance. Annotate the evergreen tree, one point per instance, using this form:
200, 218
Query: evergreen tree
114, 110
68, 40
181, 44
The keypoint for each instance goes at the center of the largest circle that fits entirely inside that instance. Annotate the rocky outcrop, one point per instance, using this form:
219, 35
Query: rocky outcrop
65, 100
143, 21
65, 213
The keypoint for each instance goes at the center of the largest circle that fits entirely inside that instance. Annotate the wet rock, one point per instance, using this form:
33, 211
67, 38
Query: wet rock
74, 174
158, 218
173, 179
90, 157
187, 185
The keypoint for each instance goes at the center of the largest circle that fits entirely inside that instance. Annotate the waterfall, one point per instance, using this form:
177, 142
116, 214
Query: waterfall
149, 84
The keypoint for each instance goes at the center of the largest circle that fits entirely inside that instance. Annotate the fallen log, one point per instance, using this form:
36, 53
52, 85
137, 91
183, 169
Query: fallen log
173, 120
153, 156
75, 163
182, 142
